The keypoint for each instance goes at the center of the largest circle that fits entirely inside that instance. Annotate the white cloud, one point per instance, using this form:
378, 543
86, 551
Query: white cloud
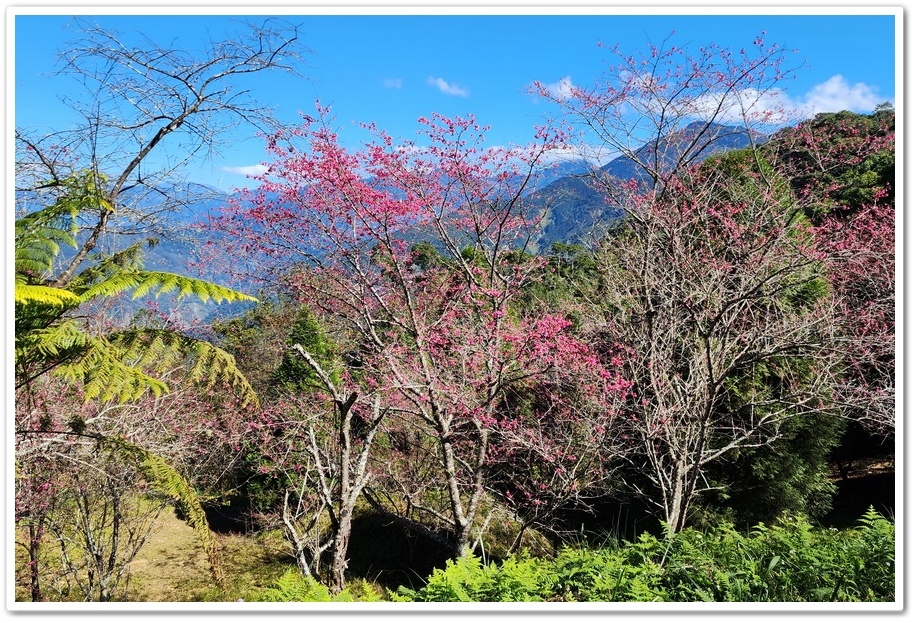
561, 90
447, 88
837, 94
777, 106
393, 83
251, 170
597, 155
748, 105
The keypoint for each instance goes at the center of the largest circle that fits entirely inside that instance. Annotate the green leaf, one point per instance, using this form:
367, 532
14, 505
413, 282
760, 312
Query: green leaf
773, 562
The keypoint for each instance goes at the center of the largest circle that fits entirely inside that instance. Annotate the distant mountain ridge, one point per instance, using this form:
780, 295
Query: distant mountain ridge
574, 210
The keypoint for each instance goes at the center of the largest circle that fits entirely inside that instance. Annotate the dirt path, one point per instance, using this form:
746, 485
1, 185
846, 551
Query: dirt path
171, 565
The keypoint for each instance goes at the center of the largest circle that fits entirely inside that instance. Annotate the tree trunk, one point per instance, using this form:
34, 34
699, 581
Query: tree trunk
460, 523
680, 498
34, 550
339, 554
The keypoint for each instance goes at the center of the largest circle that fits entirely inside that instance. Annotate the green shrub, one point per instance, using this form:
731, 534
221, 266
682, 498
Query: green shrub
789, 561
518, 578
292, 586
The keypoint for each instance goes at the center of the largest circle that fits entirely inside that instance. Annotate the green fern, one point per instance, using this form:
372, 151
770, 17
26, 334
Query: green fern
292, 586
144, 283
45, 348
161, 350
40, 235
35, 295
52, 341
122, 366
128, 259
106, 376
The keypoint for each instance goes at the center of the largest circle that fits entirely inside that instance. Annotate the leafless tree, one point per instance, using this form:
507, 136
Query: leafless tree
147, 109
719, 299
318, 510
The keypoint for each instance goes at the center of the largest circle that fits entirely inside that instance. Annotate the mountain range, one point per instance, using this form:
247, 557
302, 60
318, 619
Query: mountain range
573, 209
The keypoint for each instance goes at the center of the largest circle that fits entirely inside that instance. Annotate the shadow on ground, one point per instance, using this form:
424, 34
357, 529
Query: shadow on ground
856, 494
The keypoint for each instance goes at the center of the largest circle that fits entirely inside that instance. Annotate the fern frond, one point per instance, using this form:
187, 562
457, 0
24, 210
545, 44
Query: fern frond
79, 357
127, 260
106, 376
39, 236
36, 256
153, 282
161, 350
51, 342
28, 294
122, 366
213, 364
167, 481
293, 587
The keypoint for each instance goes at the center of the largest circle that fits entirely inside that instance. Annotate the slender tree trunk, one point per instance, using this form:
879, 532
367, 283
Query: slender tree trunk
34, 551
517, 542
462, 538
346, 497
680, 499
460, 523
674, 506
299, 542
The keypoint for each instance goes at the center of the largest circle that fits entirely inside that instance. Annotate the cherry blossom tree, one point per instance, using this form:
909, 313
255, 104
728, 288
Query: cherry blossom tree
711, 281
718, 293
665, 109
413, 249
862, 271
317, 441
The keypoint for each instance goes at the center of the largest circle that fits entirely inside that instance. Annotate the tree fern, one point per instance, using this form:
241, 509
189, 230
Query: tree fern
116, 366
123, 365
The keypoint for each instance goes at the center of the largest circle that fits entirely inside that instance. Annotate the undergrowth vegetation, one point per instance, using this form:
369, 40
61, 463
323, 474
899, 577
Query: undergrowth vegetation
789, 561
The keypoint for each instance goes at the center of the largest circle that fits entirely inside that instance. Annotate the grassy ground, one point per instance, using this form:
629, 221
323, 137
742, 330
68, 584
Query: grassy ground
172, 565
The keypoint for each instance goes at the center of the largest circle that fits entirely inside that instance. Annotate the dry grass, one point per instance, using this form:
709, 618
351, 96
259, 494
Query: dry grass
172, 566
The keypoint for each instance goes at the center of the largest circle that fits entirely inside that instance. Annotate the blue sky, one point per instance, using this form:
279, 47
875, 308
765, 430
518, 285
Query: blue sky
392, 69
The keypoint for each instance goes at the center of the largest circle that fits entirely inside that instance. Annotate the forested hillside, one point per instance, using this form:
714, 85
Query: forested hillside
446, 369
